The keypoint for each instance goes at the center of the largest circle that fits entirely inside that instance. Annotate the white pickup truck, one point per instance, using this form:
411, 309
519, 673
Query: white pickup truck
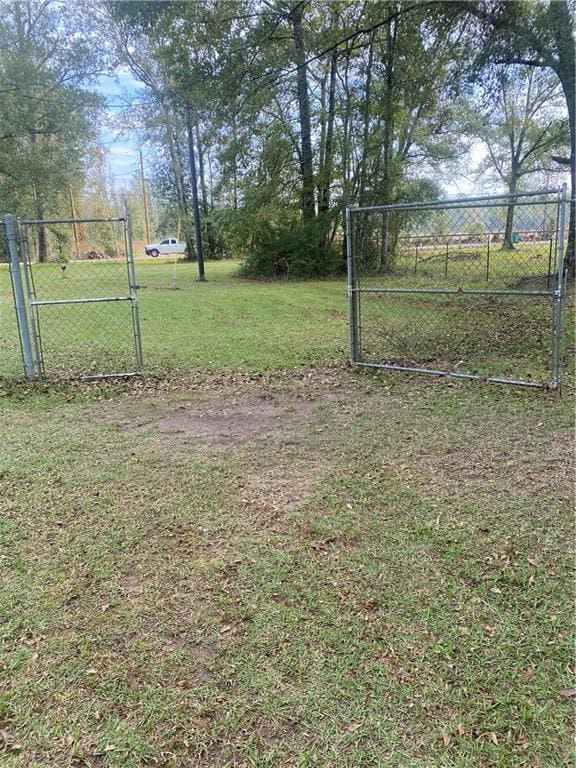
168, 246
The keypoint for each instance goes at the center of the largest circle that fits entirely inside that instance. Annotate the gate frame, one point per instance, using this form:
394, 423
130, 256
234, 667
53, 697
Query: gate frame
19, 299
557, 294
27, 305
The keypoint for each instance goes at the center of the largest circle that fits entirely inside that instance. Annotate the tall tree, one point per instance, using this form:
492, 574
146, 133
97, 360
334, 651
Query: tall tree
538, 35
521, 124
47, 113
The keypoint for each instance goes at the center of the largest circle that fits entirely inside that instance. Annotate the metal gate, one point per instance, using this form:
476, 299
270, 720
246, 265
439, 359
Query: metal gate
470, 288
80, 313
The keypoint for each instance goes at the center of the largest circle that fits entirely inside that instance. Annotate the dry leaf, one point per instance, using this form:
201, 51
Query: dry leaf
446, 738
490, 631
568, 693
352, 727
461, 729
493, 738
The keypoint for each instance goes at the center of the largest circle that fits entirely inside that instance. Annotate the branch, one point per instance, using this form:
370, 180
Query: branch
352, 36
520, 60
561, 160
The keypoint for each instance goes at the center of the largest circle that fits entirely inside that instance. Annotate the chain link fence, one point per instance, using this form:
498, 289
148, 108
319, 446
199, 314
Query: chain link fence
74, 288
471, 288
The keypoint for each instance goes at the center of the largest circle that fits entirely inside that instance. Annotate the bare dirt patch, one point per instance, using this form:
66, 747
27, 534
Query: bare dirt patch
235, 421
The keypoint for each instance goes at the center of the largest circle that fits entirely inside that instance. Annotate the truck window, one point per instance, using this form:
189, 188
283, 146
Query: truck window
165, 242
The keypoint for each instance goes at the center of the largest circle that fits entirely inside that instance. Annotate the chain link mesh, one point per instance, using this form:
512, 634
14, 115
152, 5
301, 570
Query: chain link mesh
461, 288
80, 297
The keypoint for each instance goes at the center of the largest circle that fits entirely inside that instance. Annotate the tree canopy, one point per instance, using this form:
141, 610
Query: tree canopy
290, 109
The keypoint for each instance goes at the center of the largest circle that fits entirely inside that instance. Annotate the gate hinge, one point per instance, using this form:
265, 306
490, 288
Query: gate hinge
138, 287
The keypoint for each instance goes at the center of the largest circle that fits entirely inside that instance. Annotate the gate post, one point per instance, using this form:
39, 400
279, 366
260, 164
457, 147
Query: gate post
352, 295
19, 301
133, 288
559, 297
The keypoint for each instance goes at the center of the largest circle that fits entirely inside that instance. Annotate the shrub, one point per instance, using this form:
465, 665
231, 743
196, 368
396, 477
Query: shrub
301, 251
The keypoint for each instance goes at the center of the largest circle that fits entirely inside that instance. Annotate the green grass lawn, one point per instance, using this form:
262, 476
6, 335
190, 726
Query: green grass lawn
225, 322
267, 559
229, 322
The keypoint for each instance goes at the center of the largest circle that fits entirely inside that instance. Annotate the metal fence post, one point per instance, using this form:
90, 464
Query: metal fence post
19, 300
558, 334
22, 237
133, 289
446, 261
353, 315
488, 259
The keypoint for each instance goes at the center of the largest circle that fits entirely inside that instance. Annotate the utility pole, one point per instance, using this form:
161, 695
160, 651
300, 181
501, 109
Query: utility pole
194, 184
146, 223
74, 225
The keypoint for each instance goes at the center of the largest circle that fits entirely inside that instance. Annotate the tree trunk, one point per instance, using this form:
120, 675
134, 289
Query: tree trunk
507, 242
195, 202
324, 197
570, 254
42, 234
366, 127
235, 163
205, 204
177, 170
346, 155
322, 146
566, 70
386, 251
306, 162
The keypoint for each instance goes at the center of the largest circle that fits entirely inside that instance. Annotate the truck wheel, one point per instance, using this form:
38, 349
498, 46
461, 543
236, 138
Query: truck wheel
154, 253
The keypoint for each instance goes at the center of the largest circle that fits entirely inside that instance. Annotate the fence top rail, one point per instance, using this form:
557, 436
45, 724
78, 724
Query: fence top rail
462, 202
73, 221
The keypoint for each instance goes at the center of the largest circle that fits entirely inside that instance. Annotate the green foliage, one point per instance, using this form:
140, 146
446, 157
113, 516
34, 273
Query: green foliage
47, 115
301, 251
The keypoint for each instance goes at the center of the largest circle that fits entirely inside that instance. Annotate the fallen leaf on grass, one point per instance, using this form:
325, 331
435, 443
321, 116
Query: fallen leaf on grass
352, 727
446, 739
568, 693
493, 738
461, 729
490, 631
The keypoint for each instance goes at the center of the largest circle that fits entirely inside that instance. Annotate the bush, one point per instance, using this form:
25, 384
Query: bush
301, 251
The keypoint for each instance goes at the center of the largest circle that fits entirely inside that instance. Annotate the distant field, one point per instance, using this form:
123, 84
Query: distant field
475, 265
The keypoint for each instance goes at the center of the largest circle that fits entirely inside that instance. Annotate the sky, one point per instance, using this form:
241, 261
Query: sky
121, 149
